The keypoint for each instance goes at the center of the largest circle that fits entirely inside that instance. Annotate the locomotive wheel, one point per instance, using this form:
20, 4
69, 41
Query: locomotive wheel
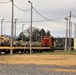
7, 52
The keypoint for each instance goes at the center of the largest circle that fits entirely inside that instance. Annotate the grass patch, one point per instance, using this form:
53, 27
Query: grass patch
60, 53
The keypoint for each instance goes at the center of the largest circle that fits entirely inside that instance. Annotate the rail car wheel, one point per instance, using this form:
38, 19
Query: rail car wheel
7, 52
14, 52
22, 51
34, 51
41, 51
0, 52
52, 49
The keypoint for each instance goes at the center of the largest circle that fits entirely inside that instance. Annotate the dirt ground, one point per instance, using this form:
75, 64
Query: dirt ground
61, 60
41, 59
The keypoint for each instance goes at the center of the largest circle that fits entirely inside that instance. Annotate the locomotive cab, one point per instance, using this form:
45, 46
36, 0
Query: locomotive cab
48, 41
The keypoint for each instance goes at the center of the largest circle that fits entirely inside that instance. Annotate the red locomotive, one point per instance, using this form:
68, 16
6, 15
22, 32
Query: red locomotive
48, 41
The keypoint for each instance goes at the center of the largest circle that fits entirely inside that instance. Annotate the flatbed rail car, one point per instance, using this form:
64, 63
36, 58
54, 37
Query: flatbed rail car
24, 49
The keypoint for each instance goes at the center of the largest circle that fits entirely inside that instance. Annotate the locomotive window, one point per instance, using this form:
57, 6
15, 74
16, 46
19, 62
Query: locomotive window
45, 38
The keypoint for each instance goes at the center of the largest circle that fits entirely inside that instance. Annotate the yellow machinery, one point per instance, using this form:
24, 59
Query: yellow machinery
74, 43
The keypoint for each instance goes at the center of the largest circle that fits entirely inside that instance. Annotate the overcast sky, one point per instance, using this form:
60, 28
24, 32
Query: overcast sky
51, 9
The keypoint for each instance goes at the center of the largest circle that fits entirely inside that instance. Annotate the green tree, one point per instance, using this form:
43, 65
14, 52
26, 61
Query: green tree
21, 35
48, 33
35, 35
43, 33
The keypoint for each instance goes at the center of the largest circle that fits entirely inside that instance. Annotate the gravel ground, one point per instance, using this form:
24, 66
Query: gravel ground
32, 69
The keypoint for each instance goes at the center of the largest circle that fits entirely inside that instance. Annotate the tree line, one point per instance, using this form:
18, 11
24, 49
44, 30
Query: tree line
36, 35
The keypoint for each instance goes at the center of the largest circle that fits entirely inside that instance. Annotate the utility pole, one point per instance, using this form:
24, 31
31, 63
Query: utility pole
2, 26
71, 29
70, 32
71, 35
22, 31
41, 35
31, 28
12, 23
15, 27
66, 34
75, 30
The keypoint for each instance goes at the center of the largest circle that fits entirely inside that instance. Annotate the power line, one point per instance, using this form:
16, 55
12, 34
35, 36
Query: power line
37, 13
14, 5
47, 18
32, 21
20, 8
4, 2
74, 16
40, 14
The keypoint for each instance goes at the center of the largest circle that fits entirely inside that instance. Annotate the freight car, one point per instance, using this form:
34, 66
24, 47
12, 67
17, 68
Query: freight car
60, 43
4, 41
47, 44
